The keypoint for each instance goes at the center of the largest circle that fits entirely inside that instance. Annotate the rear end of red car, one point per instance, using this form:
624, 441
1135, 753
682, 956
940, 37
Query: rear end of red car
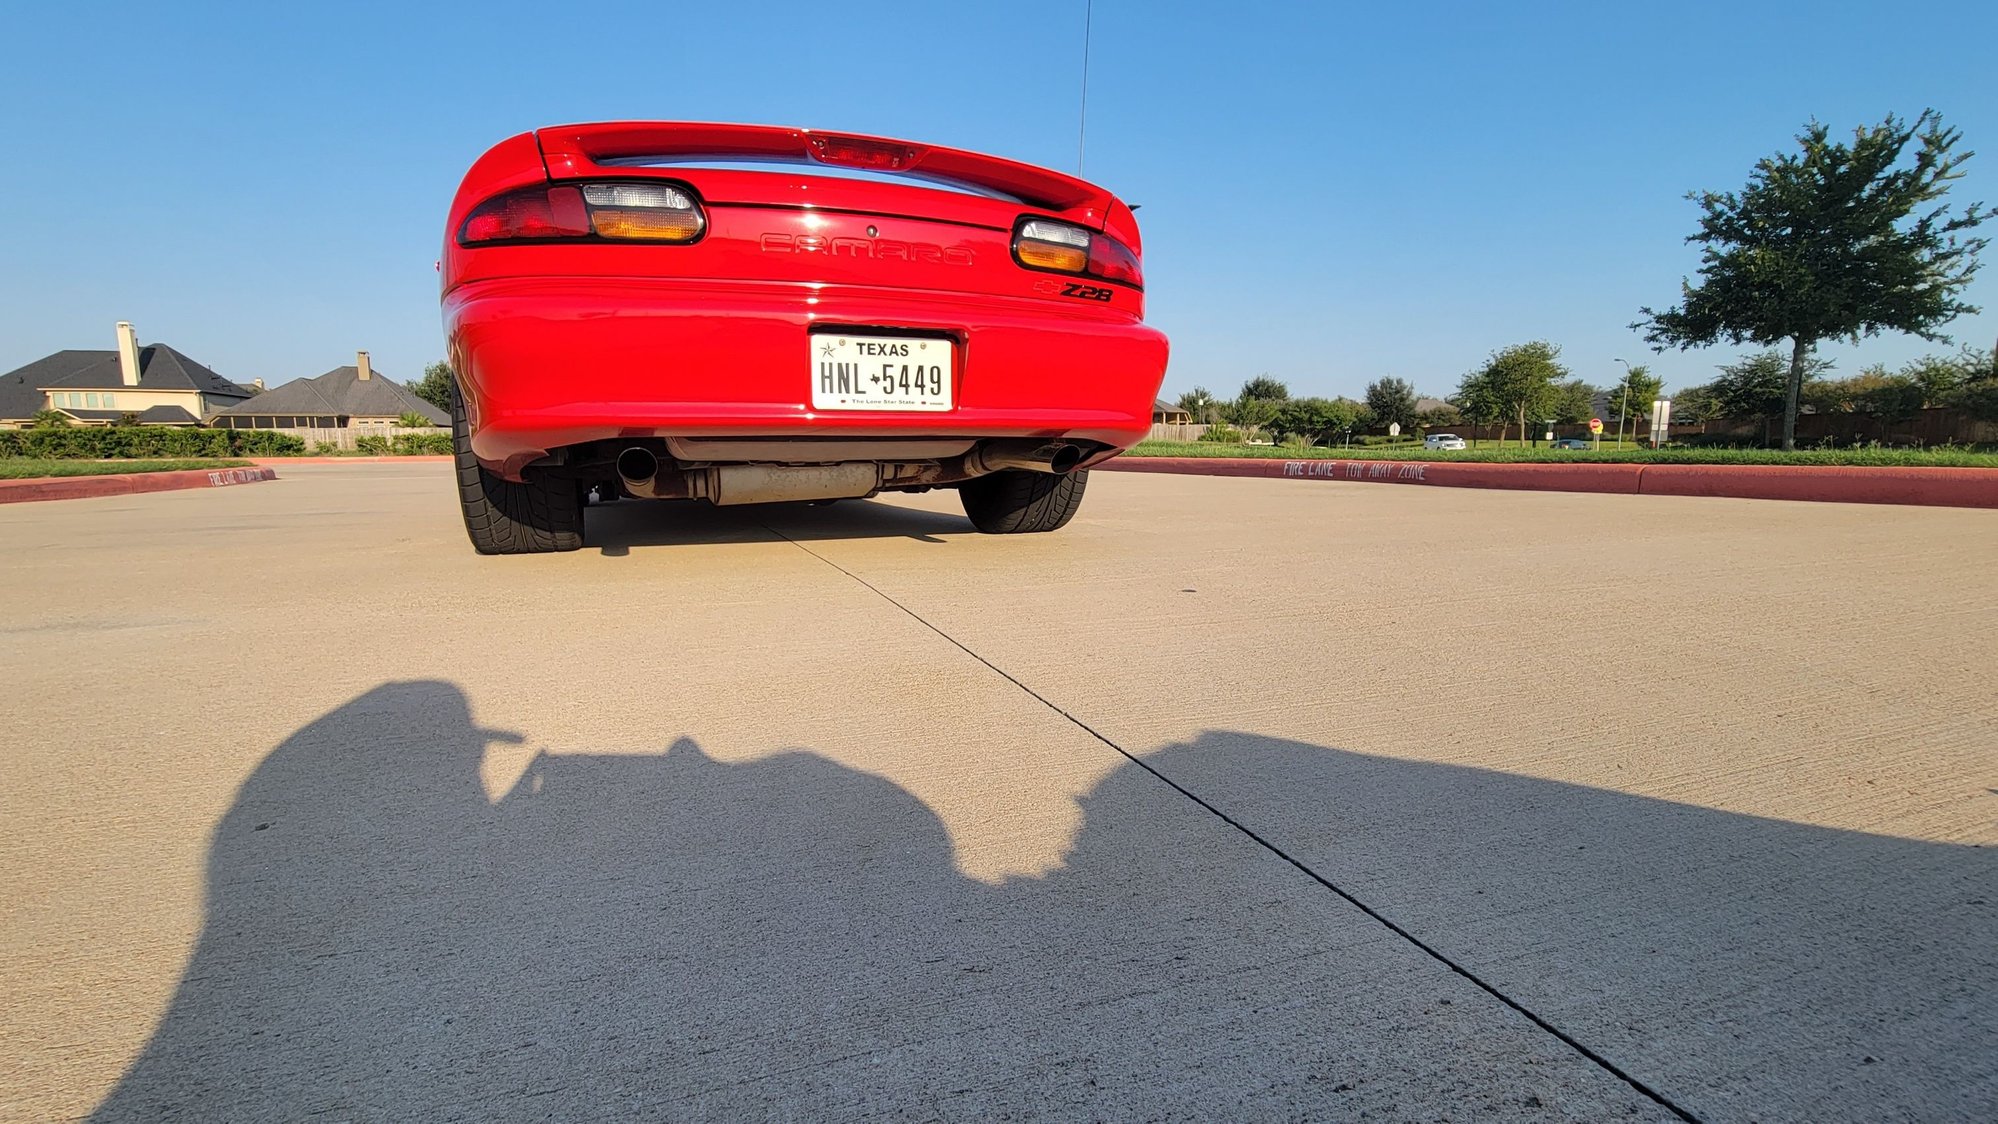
747, 314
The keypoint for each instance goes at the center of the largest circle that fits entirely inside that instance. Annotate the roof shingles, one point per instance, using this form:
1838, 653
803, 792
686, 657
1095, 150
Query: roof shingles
160, 368
340, 391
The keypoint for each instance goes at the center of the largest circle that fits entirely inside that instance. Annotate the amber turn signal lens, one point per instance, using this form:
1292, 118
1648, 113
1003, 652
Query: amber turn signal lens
657, 226
1049, 255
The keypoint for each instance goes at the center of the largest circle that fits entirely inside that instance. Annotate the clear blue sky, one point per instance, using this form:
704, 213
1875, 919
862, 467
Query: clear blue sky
1331, 192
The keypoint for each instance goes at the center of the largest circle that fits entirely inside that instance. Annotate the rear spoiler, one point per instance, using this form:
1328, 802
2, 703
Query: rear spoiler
569, 151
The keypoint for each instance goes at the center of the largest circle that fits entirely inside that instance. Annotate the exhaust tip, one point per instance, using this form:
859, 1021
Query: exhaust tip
637, 465
1064, 459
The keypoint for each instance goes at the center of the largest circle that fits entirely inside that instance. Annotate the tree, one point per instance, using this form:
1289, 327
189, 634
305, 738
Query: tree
1442, 417
1265, 388
1941, 376
1573, 402
1978, 396
1515, 384
1633, 394
435, 385
1755, 386
1316, 419
412, 420
1392, 400
1252, 413
1826, 244
1694, 404
1257, 406
1200, 403
50, 419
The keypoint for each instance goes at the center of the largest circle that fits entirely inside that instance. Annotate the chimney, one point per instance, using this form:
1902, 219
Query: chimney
258, 383
128, 354
361, 368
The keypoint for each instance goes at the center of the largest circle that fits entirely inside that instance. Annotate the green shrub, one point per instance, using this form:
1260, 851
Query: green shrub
1222, 434
128, 442
421, 444
265, 443
372, 445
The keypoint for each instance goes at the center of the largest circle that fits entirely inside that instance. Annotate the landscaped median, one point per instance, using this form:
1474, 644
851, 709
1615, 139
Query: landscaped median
24, 479
1894, 484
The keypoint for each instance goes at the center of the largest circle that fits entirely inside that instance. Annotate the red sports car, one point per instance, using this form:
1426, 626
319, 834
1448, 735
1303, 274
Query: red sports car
749, 314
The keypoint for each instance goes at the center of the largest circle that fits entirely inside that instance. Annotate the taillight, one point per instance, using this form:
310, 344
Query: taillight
620, 212
1067, 248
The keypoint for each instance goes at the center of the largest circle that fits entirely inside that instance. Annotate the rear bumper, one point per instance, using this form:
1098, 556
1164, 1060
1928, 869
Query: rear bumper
550, 362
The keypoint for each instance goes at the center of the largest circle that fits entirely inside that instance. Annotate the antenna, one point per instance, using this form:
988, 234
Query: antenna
1082, 117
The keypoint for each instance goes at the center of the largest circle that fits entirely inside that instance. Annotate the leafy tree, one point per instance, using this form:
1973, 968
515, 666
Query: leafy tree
1694, 404
1265, 388
1252, 413
1755, 386
1316, 419
1873, 391
1200, 403
1940, 376
1442, 417
1257, 406
1978, 396
1516, 384
1826, 244
1574, 401
1475, 403
435, 385
1632, 395
412, 420
50, 419
1392, 400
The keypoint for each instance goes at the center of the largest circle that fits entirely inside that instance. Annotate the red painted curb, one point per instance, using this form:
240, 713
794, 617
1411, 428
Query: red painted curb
1926, 487
346, 460
127, 483
1195, 466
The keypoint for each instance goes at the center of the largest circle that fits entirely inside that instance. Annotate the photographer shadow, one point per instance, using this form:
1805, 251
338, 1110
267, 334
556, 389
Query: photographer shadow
668, 936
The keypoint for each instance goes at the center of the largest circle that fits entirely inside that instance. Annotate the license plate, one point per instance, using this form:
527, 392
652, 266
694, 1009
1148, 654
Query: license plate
881, 373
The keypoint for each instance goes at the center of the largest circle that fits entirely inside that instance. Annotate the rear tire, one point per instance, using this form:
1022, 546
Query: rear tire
540, 516
1018, 502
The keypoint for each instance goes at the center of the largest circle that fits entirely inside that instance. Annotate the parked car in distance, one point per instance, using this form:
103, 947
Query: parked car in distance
1573, 443
749, 314
1443, 441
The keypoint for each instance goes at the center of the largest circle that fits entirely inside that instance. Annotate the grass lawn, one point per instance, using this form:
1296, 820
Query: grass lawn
25, 468
1489, 453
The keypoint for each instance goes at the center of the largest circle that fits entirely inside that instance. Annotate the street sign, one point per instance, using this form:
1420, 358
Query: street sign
1596, 426
1661, 419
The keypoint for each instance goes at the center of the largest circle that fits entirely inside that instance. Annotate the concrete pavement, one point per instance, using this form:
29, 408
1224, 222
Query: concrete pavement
1236, 799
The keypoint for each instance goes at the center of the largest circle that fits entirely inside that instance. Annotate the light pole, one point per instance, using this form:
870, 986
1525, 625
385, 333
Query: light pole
1623, 411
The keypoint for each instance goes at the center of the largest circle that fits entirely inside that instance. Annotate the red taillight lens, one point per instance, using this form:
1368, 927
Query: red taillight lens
1113, 261
533, 213
613, 212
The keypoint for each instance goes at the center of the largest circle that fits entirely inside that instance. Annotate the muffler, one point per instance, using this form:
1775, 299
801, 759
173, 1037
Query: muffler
730, 484
1057, 457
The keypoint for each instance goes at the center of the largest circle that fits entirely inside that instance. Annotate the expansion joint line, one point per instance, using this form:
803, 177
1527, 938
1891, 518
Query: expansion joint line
1608, 1066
